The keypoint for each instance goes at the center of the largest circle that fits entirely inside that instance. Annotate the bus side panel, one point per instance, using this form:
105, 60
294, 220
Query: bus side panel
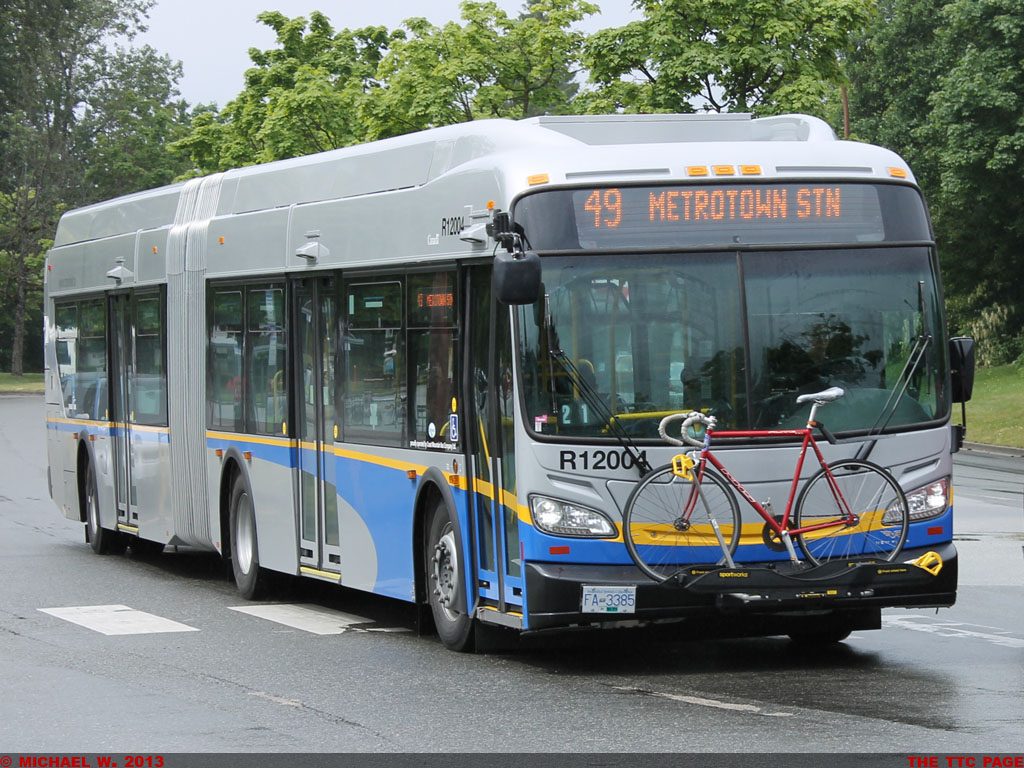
151, 476
103, 469
378, 498
58, 447
269, 474
271, 481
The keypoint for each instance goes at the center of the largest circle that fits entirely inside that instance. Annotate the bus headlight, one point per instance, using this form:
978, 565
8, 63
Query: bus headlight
564, 518
929, 500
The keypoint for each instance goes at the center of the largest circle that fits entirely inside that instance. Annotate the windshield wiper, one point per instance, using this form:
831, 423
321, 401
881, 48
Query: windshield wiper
593, 398
914, 359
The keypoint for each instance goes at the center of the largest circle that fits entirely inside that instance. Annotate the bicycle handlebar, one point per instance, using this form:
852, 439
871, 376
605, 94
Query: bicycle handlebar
693, 417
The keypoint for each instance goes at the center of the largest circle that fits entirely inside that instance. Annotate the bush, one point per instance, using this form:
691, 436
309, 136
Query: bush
996, 330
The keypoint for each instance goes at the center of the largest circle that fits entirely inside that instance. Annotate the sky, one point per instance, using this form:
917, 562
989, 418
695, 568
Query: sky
211, 38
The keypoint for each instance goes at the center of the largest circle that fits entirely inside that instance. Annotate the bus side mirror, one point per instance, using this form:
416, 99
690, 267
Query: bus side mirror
516, 277
961, 364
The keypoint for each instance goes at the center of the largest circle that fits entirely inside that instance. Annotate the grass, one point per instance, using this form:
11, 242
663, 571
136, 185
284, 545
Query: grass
995, 413
29, 384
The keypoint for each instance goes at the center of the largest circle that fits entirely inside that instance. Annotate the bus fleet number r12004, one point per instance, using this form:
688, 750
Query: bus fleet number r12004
597, 459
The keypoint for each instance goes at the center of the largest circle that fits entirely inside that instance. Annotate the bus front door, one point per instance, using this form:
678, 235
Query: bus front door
490, 439
315, 344
121, 416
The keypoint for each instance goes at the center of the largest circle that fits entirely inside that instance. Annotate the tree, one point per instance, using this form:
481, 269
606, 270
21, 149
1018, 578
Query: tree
493, 65
54, 64
765, 56
319, 89
302, 96
892, 71
975, 132
129, 115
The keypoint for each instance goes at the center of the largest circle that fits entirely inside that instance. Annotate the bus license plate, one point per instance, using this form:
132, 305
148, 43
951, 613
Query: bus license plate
609, 599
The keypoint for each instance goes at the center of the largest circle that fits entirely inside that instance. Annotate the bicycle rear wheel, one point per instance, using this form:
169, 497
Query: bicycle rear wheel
669, 522
878, 529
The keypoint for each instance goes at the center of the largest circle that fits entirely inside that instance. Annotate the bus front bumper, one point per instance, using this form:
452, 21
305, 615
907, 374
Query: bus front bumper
760, 598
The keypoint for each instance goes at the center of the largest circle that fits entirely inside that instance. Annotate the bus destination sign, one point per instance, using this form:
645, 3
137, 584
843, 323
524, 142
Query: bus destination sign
722, 214
607, 207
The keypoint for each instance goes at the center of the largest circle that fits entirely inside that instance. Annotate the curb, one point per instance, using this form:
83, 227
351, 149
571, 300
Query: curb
994, 450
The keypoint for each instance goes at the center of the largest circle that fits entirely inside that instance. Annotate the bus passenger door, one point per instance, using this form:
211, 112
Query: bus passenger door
121, 374
316, 315
490, 444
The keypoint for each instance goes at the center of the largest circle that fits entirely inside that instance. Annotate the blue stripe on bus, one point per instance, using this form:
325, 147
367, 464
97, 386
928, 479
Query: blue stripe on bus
138, 432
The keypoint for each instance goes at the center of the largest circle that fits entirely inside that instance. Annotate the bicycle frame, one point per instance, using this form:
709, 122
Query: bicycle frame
781, 528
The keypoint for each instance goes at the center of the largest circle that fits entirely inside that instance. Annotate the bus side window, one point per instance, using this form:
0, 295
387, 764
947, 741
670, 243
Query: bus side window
265, 365
432, 362
225, 361
150, 374
374, 344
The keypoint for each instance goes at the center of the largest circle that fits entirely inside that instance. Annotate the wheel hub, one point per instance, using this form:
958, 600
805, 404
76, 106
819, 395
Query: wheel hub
244, 535
444, 568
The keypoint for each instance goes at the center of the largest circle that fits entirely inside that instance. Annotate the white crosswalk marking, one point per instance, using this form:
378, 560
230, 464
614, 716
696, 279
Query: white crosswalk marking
117, 620
304, 617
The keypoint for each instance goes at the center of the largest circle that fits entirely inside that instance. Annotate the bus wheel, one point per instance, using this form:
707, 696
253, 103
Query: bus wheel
245, 558
445, 583
102, 540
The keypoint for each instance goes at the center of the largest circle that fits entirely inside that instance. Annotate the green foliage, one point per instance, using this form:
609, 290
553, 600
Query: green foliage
130, 114
78, 121
492, 66
305, 95
765, 56
944, 87
994, 330
319, 89
892, 71
976, 132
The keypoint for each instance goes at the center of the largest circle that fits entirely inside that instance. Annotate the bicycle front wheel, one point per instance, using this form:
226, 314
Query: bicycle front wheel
670, 522
855, 510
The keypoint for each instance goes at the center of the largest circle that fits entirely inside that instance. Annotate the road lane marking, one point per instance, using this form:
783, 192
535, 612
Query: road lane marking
277, 699
117, 620
304, 617
702, 701
954, 629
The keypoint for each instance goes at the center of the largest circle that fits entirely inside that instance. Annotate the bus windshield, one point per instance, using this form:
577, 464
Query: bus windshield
738, 334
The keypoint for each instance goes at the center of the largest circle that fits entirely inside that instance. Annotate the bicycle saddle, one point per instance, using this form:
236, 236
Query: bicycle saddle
827, 396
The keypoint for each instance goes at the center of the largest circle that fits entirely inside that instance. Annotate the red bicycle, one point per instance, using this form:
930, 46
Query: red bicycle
686, 513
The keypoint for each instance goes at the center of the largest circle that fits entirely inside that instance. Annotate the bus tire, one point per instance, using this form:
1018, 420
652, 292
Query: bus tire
444, 580
102, 540
251, 579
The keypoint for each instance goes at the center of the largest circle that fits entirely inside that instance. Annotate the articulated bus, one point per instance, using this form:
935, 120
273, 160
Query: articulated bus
307, 367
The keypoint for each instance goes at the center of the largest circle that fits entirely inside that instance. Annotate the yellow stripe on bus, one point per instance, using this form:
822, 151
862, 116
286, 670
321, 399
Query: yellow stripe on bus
456, 481
281, 442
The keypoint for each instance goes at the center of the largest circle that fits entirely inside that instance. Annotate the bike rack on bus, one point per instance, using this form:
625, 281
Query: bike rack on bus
745, 588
